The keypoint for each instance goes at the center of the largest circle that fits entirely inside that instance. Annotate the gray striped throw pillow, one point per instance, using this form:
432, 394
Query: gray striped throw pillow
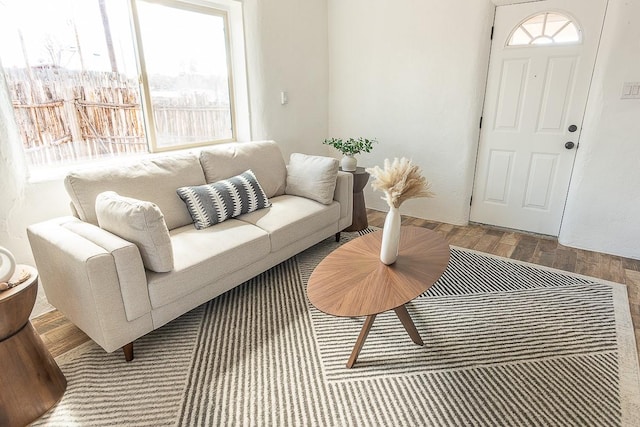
210, 204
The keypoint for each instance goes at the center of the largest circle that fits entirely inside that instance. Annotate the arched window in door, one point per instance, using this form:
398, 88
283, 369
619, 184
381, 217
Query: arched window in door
544, 29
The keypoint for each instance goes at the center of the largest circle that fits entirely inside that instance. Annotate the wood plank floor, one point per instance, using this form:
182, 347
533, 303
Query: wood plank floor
59, 335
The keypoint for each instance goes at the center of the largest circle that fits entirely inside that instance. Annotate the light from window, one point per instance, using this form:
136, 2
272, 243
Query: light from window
544, 29
74, 81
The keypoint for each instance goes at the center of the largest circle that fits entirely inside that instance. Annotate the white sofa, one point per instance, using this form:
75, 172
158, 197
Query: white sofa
97, 279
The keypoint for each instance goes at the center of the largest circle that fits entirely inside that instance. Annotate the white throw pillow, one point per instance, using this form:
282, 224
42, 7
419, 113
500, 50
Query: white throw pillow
138, 222
313, 177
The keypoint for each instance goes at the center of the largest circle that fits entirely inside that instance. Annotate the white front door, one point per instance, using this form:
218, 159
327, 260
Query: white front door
536, 95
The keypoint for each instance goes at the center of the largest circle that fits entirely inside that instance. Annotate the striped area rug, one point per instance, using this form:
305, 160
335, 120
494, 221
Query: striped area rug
506, 343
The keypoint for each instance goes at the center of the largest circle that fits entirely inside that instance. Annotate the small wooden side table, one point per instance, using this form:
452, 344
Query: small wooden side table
31, 382
352, 281
360, 179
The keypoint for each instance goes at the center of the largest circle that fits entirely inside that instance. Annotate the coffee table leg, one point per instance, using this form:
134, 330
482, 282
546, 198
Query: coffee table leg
361, 339
404, 317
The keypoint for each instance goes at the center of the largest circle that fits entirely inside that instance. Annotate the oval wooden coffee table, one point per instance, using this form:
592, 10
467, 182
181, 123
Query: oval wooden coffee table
352, 281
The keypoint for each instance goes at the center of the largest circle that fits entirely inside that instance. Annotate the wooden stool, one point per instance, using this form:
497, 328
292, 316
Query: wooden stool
31, 382
360, 179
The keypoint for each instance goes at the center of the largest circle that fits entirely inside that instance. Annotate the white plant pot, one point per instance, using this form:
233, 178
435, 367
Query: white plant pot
7, 265
390, 237
349, 163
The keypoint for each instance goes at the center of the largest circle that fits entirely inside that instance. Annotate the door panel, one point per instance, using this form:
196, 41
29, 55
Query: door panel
540, 182
511, 93
557, 91
499, 176
534, 93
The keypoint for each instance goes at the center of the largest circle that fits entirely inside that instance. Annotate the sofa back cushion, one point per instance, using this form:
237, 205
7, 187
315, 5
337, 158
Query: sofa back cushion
153, 180
264, 158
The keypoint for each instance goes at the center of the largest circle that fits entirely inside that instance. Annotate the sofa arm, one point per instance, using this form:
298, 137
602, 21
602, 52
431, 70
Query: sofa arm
94, 278
343, 194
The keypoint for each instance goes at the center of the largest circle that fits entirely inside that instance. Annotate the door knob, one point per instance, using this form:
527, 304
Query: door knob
573, 128
569, 145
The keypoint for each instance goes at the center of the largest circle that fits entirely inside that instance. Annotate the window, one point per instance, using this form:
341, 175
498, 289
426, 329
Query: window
183, 53
92, 79
544, 29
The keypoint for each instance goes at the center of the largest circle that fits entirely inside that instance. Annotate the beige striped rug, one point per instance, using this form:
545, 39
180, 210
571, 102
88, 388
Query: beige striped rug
506, 343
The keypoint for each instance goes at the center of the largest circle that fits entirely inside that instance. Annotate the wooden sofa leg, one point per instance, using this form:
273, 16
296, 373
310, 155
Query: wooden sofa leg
337, 237
128, 352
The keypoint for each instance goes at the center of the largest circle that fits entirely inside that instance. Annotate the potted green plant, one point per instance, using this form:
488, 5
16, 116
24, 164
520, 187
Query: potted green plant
349, 148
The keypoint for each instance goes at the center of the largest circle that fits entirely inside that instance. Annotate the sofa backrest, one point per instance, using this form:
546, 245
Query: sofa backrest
264, 158
154, 180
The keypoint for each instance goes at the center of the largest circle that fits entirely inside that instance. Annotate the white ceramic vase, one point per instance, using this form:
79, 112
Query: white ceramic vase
390, 237
349, 163
7, 265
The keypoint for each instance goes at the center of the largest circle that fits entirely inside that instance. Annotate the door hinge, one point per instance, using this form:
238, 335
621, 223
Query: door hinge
470, 200
491, 37
480, 122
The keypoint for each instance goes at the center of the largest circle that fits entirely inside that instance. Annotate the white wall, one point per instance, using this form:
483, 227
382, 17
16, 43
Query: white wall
287, 51
411, 73
603, 207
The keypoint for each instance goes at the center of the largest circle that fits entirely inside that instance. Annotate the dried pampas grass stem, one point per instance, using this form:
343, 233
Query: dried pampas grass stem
400, 180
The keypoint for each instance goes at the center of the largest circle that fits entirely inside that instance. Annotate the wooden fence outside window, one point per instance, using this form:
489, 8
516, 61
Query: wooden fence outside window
69, 116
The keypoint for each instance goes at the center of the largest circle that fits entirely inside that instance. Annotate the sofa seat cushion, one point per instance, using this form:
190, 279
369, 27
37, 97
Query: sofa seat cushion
203, 256
291, 218
154, 180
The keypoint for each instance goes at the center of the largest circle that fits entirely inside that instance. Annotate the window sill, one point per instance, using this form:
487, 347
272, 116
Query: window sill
58, 173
